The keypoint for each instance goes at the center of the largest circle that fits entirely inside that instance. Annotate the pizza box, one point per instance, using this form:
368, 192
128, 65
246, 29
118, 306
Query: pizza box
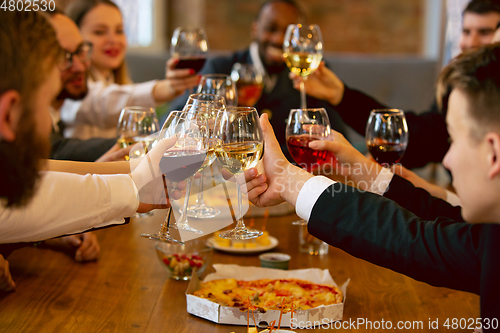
229, 315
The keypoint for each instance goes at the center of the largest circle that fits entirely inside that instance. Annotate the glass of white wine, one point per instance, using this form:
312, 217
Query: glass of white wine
239, 147
136, 125
303, 51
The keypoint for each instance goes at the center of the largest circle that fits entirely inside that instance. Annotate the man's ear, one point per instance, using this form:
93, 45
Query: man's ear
493, 142
10, 113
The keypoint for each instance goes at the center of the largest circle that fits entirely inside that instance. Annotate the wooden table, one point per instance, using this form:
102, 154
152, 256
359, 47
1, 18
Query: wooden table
127, 290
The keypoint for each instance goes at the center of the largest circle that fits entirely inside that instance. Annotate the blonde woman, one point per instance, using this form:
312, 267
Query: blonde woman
109, 86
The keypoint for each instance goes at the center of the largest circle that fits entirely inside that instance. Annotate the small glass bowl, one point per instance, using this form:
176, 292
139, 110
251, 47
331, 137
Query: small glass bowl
180, 261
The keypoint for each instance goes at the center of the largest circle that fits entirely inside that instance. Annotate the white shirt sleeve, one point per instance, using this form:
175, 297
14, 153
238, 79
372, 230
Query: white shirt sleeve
102, 105
381, 183
313, 188
68, 203
309, 194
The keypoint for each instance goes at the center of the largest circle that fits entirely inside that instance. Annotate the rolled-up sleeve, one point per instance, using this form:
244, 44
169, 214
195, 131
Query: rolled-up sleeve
68, 203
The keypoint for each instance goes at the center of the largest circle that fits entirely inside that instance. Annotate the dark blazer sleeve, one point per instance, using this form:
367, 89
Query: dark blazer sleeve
420, 202
355, 108
440, 252
79, 150
428, 136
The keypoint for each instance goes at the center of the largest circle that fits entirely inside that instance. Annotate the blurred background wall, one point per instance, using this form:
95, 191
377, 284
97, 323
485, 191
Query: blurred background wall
361, 26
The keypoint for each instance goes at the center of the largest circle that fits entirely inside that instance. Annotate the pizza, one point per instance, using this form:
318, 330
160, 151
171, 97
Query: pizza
267, 294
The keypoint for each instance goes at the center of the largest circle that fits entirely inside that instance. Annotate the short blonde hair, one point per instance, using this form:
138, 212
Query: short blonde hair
475, 73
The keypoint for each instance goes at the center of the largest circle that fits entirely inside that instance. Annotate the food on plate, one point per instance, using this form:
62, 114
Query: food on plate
182, 264
242, 244
267, 294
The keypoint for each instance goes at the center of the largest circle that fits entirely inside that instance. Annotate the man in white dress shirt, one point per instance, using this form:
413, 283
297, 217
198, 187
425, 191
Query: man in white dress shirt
37, 205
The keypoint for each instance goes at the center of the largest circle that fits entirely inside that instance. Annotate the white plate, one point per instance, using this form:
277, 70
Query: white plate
257, 249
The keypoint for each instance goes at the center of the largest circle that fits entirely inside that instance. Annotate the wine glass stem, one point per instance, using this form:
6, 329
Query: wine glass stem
240, 223
303, 103
183, 218
199, 200
164, 227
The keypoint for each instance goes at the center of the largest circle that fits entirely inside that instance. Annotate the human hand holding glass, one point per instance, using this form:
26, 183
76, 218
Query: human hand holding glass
303, 51
304, 126
239, 147
387, 136
181, 161
137, 128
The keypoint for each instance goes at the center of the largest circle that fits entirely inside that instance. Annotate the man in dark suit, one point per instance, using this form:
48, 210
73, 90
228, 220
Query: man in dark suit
266, 54
74, 86
428, 135
416, 234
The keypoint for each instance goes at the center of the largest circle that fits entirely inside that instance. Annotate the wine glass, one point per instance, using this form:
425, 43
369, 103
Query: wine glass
135, 125
249, 83
190, 45
198, 159
239, 147
221, 85
304, 126
180, 162
303, 51
206, 105
387, 136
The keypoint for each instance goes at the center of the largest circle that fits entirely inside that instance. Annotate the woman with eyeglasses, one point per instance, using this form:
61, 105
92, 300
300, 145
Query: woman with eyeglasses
101, 24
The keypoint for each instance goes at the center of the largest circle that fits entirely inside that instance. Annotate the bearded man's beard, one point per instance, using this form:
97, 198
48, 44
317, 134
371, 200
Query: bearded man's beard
21, 161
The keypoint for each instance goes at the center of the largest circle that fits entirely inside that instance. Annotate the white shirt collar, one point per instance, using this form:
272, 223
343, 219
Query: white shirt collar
269, 81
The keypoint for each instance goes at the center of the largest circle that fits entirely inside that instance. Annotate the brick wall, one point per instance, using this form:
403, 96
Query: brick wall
365, 26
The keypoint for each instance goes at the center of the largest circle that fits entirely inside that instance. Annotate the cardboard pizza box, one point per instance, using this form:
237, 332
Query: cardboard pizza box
229, 315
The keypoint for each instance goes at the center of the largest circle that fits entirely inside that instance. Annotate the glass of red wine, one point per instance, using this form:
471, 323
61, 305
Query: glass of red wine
304, 126
190, 45
249, 83
182, 161
387, 136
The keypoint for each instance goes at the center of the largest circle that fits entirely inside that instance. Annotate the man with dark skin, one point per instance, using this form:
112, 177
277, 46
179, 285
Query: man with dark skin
266, 54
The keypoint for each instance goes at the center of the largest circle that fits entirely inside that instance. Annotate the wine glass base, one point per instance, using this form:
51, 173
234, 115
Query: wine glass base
299, 222
202, 211
186, 227
241, 233
162, 238
143, 215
